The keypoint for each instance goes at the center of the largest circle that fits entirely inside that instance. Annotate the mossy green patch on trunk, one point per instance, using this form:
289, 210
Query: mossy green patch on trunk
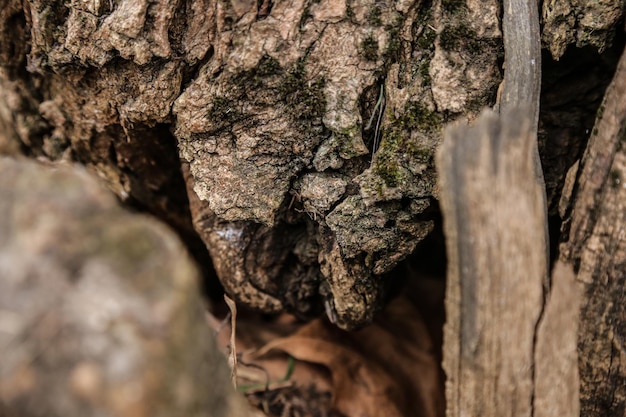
374, 16
424, 43
369, 48
397, 148
454, 6
269, 84
393, 44
459, 36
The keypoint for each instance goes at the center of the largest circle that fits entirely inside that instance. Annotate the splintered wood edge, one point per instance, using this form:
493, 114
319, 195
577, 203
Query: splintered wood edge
557, 382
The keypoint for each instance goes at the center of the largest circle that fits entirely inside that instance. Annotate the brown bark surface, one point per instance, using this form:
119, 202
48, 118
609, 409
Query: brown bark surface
308, 127
595, 243
581, 23
283, 158
100, 313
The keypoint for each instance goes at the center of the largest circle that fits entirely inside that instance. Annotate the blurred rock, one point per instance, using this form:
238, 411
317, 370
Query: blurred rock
99, 308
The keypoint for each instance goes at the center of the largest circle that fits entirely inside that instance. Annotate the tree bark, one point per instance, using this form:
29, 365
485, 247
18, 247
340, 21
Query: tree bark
308, 128
100, 313
295, 140
335, 201
594, 243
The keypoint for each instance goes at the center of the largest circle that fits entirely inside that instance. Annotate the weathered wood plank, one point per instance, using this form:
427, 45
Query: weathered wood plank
522, 57
557, 379
521, 86
494, 219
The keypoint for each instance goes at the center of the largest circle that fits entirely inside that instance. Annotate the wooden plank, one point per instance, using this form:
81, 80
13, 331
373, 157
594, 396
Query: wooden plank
557, 379
521, 86
522, 57
494, 221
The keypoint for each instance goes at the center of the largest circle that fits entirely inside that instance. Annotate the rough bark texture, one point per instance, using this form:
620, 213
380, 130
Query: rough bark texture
595, 244
287, 128
308, 126
306, 131
274, 107
579, 22
68, 94
494, 218
100, 313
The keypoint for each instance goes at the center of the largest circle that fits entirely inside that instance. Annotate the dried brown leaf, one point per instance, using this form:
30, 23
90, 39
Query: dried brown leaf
360, 388
386, 369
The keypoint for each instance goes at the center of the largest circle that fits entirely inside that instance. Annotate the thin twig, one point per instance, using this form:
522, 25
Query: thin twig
376, 107
379, 109
232, 357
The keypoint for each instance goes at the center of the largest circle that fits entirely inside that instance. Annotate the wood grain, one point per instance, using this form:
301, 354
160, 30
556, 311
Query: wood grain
494, 221
557, 381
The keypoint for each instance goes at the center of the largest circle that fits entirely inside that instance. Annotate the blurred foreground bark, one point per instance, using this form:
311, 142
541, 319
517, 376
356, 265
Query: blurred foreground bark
100, 313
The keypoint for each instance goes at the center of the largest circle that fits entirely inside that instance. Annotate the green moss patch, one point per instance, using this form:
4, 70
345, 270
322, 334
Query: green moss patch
305, 98
393, 44
454, 6
397, 148
268, 84
374, 16
417, 116
461, 36
424, 43
369, 48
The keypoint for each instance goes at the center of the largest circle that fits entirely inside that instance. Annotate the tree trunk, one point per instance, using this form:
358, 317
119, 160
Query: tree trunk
308, 128
293, 142
595, 243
